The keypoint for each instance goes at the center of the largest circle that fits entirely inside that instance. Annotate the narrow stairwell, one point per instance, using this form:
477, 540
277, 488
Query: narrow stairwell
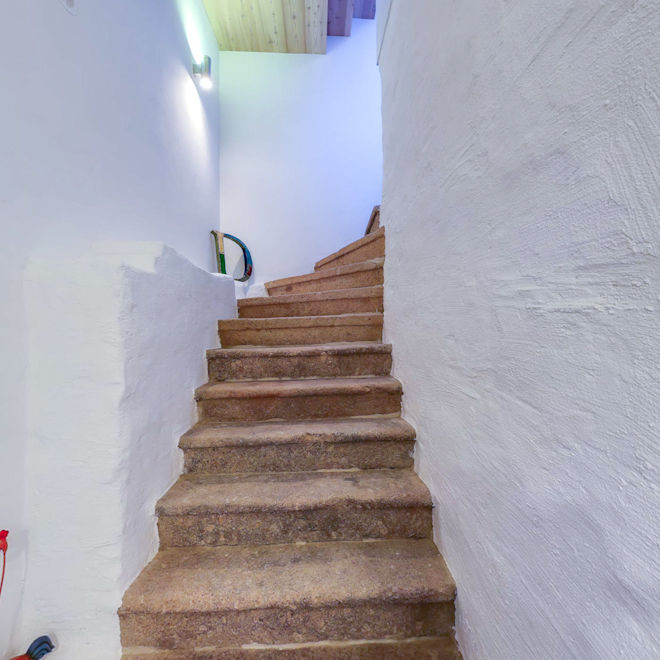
299, 529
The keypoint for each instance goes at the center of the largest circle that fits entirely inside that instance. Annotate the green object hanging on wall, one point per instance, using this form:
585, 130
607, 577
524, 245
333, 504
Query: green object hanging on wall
219, 237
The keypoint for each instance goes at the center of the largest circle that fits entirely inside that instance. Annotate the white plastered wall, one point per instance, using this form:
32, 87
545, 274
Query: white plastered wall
112, 368
521, 200
301, 154
103, 136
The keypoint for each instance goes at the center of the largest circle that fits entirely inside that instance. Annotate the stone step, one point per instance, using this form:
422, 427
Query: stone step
371, 246
309, 361
363, 299
298, 399
415, 648
298, 446
369, 273
300, 330
289, 507
223, 598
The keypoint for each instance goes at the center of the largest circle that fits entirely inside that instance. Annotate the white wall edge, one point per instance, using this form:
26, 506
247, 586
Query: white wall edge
117, 340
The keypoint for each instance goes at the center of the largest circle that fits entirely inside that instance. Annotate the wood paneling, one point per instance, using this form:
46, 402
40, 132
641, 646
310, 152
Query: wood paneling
340, 18
364, 8
271, 26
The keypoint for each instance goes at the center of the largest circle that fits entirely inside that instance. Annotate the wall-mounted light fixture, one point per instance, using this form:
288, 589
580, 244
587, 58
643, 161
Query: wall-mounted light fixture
202, 72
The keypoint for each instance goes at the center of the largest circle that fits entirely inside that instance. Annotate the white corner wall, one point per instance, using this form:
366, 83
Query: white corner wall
301, 154
521, 199
103, 136
112, 369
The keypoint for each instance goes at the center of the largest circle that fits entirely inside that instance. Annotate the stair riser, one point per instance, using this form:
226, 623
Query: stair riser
371, 250
284, 625
299, 407
299, 457
313, 308
300, 336
371, 277
437, 648
273, 527
323, 365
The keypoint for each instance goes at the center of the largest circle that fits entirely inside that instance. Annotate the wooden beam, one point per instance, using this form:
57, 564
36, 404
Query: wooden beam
340, 18
271, 26
364, 8
315, 17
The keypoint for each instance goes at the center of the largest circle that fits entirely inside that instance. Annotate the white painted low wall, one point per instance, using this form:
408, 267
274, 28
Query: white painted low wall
521, 199
116, 348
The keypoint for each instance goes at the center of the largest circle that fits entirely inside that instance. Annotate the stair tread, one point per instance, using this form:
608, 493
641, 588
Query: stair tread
395, 649
332, 294
364, 318
297, 387
351, 247
311, 575
372, 264
300, 350
196, 494
331, 430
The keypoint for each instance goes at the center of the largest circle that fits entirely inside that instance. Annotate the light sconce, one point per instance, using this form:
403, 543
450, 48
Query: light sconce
202, 73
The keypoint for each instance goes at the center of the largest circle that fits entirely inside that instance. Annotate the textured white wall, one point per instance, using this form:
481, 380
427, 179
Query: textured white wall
112, 368
521, 198
103, 136
301, 154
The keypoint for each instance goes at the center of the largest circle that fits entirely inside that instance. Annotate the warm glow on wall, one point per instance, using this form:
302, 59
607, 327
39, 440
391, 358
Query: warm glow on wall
202, 73
192, 23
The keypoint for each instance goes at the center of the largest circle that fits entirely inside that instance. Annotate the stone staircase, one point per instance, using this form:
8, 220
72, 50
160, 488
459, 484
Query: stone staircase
299, 529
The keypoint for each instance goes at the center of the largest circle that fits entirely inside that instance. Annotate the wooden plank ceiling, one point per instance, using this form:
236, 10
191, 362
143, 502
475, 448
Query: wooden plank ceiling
270, 26
283, 26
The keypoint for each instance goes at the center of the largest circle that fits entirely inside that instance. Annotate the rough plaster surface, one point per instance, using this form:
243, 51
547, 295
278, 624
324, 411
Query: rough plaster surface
103, 136
112, 368
300, 151
521, 199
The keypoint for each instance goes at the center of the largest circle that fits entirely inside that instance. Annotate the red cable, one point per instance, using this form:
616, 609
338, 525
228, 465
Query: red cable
2, 579
3, 548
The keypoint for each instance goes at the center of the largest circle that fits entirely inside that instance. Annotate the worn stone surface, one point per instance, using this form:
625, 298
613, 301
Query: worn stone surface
248, 493
312, 455
292, 593
210, 509
298, 399
315, 361
342, 277
333, 523
420, 648
298, 446
301, 330
278, 625
371, 246
298, 530
299, 432
360, 300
